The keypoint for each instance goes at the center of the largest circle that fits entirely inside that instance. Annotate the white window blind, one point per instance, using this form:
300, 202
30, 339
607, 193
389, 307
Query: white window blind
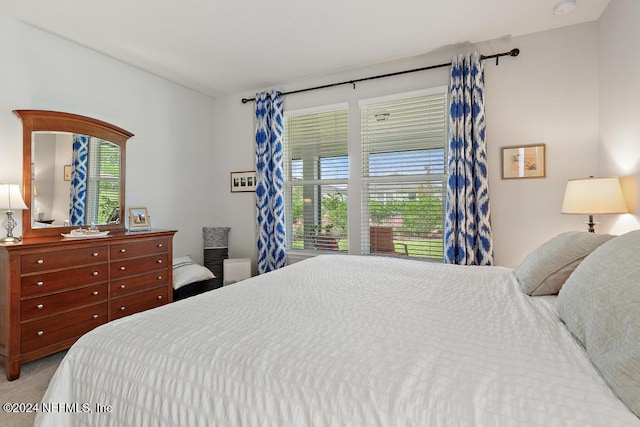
316, 177
403, 175
103, 183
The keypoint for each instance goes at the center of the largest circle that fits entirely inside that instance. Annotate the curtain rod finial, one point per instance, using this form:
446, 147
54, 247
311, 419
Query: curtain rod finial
514, 52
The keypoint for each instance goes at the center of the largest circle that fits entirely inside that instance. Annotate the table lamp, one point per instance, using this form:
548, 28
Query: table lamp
593, 196
10, 200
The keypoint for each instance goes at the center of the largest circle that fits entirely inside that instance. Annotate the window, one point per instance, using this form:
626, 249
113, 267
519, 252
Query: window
401, 194
316, 174
103, 183
403, 176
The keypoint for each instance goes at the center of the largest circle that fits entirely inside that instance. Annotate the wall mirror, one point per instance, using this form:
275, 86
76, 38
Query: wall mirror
73, 173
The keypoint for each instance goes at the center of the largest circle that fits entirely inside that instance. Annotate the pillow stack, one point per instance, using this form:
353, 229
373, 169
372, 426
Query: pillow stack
600, 305
545, 270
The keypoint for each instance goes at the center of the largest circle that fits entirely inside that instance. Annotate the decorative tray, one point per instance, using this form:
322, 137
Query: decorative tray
84, 234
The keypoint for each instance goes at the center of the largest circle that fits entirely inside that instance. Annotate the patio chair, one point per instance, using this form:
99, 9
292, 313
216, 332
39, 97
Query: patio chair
326, 243
381, 241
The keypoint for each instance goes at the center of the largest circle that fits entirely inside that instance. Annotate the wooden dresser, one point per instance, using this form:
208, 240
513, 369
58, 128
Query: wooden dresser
53, 290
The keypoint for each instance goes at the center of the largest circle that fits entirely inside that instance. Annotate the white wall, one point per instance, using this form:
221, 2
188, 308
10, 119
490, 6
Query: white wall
44, 157
186, 144
548, 94
169, 158
619, 106
62, 188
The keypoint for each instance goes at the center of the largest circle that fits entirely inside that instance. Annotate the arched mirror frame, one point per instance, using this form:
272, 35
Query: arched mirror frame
54, 121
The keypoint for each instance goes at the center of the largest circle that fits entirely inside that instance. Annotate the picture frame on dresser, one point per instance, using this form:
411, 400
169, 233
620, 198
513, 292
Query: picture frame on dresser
139, 219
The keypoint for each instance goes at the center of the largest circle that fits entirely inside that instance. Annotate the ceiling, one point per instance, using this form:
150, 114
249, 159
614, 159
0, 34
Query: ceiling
220, 47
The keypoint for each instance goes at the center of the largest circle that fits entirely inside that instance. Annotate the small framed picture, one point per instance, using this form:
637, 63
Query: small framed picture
139, 219
244, 181
524, 161
67, 172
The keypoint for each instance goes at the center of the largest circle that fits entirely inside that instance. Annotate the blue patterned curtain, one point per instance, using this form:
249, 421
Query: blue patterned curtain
78, 179
467, 230
269, 182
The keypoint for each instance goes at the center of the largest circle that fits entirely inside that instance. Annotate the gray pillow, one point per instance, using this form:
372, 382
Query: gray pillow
600, 304
544, 271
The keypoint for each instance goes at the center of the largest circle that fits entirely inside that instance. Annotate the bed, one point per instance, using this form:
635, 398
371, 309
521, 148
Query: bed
340, 340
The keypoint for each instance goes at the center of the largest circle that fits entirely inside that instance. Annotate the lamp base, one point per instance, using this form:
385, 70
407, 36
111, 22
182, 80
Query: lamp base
10, 239
10, 224
591, 224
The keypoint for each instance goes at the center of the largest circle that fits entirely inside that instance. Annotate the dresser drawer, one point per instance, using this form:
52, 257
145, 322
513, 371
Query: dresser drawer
33, 308
135, 266
133, 284
136, 249
146, 300
46, 283
50, 330
45, 261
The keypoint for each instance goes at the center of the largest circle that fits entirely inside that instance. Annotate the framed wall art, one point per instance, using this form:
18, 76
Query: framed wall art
524, 161
243, 182
139, 219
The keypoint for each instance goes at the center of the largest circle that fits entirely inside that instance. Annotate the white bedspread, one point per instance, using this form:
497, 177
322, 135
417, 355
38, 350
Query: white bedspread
340, 341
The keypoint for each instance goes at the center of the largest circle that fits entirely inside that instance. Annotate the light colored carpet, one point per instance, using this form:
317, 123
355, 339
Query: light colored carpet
29, 388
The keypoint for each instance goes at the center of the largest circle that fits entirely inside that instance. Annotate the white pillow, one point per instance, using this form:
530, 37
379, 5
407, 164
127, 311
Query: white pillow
544, 271
186, 270
600, 304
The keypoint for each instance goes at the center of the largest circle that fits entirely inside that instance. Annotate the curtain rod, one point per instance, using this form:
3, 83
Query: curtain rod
512, 52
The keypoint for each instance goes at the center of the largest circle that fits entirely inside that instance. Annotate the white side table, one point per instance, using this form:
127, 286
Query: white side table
235, 270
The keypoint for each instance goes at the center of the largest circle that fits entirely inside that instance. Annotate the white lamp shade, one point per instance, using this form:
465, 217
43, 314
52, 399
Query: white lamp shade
10, 197
590, 196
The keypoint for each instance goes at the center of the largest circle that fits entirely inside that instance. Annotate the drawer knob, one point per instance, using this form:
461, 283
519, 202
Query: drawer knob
123, 251
39, 283
95, 273
95, 316
40, 333
159, 296
123, 286
40, 306
123, 268
95, 292
159, 277
159, 261
123, 308
160, 245
94, 254
40, 261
